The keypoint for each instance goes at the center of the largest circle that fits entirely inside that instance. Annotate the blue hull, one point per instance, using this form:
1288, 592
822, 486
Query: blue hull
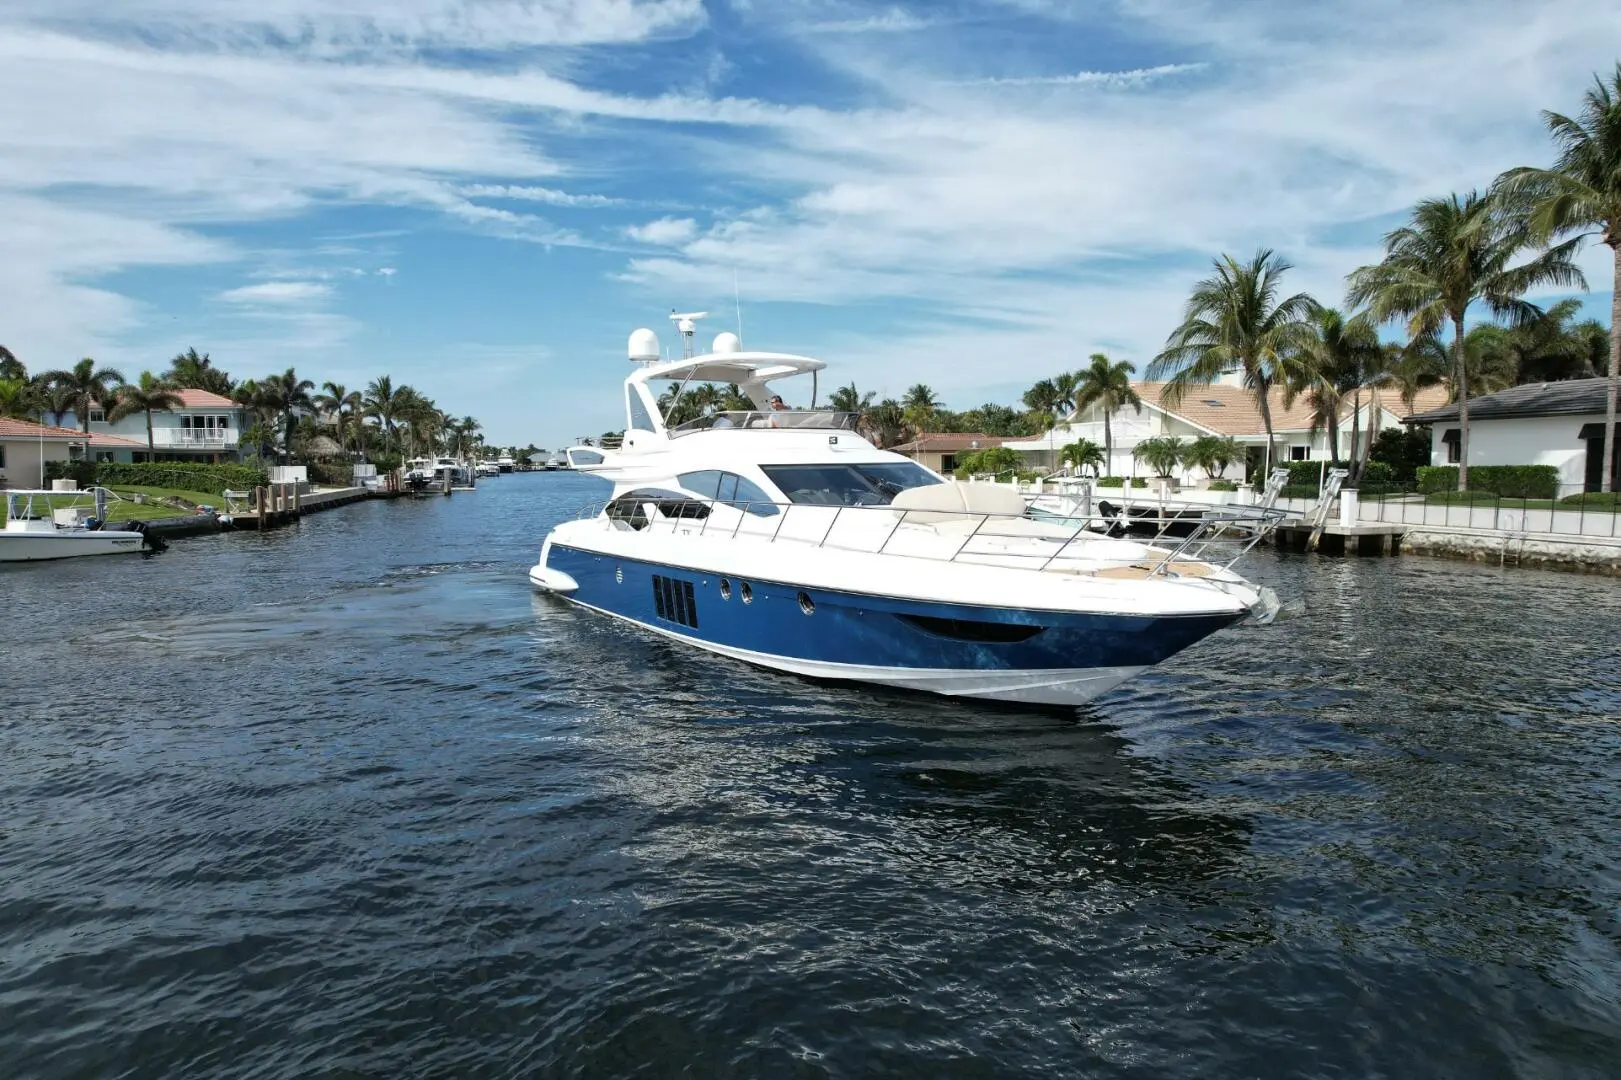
824, 626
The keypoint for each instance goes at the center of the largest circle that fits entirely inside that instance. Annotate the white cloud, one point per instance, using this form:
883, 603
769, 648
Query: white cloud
891, 21
532, 193
277, 292
665, 232
386, 271
1112, 80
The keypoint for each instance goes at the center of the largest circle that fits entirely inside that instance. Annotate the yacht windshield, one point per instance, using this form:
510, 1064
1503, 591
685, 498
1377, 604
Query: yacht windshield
848, 485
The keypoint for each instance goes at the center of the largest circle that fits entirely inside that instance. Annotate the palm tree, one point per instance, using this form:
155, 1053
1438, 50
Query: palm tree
336, 398
194, 371
148, 396
1582, 194
848, 399
290, 394
1343, 354
11, 367
1042, 400
17, 398
1083, 454
1421, 363
382, 401
1107, 384
1456, 252
1234, 320
82, 387
922, 406
888, 423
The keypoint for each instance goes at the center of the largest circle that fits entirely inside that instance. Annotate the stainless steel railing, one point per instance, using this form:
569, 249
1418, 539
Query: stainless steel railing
1218, 538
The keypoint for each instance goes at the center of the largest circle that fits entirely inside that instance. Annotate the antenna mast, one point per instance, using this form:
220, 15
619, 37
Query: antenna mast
688, 325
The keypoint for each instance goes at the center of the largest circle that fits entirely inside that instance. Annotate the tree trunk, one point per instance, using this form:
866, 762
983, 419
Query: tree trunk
1108, 446
151, 448
1462, 376
1334, 437
1266, 422
1356, 437
1607, 463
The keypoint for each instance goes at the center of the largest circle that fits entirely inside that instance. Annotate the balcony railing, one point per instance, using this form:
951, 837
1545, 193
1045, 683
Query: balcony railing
195, 438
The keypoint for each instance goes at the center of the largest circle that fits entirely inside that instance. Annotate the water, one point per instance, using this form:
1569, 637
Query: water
349, 800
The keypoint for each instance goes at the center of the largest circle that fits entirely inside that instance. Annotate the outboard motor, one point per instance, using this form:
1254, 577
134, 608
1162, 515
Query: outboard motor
149, 540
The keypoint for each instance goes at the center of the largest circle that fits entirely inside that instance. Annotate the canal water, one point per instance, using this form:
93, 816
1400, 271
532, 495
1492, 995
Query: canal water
348, 799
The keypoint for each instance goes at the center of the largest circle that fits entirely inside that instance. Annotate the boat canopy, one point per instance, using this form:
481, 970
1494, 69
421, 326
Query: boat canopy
738, 367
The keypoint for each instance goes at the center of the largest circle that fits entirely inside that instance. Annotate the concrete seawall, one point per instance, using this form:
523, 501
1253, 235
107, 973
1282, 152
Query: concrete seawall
1546, 551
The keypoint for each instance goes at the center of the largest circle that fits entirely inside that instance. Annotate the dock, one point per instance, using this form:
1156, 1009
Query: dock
282, 504
1368, 538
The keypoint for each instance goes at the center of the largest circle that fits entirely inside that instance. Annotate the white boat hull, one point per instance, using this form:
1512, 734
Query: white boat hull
39, 547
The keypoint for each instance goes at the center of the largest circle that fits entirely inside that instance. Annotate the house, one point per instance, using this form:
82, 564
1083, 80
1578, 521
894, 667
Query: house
939, 451
26, 448
1558, 423
204, 427
1226, 409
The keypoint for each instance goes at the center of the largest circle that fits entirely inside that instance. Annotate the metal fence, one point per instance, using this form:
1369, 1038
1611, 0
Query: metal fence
1572, 512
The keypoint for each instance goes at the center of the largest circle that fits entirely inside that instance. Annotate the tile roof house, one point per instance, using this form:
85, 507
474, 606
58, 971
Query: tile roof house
26, 448
1227, 410
939, 451
1556, 423
204, 427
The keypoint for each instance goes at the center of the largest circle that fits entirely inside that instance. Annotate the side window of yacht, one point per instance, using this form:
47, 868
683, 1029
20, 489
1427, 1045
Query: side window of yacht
631, 507
639, 418
848, 485
735, 491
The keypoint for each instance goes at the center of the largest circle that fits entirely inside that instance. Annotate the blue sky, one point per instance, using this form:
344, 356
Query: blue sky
484, 198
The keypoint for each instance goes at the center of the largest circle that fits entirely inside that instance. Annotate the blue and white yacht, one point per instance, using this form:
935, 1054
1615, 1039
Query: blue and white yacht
782, 537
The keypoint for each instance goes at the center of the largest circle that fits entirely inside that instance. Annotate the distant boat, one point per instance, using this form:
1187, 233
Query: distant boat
487, 468
505, 463
556, 462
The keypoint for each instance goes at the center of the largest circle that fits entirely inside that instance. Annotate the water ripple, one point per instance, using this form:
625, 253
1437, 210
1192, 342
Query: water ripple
349, 799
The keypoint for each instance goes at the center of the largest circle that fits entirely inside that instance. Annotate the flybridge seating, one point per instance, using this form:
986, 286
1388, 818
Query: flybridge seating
785, 419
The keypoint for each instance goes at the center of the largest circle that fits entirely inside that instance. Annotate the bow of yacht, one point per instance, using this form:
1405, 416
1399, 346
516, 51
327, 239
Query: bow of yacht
784, 538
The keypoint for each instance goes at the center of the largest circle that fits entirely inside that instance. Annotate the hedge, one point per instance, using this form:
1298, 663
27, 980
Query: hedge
1304, 472
1223, 485
1300, 491
213, 479
1120, 481
1505, 481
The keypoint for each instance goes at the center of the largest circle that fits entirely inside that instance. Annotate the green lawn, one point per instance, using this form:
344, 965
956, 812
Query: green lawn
154, 509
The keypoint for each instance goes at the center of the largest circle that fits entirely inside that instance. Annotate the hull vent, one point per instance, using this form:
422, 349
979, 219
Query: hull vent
973, 630
674, 601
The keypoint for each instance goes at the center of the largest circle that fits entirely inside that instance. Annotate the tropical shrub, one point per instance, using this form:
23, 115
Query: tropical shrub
1120, 481
1162, 453
1223, 485
996, 460
1212, 454
185, 476
1303, 473
1504, 481
1083, 454
1300, 491
1404, 450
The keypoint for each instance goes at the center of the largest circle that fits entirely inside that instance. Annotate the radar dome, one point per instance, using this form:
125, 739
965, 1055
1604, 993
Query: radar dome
644, 346
727, 343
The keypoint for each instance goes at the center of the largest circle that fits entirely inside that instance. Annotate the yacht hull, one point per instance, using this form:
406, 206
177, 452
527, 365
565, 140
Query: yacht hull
40, 547
1041, 657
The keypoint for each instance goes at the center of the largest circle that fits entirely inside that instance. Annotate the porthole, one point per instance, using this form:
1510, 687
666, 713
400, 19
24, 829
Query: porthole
806, 604
725, 589
748, 593
619, 575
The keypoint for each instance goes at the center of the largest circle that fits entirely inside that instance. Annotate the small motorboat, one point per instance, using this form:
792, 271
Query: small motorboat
36, 530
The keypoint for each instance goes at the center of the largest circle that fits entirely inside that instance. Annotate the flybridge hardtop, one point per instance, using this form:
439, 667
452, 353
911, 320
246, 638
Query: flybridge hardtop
782, 537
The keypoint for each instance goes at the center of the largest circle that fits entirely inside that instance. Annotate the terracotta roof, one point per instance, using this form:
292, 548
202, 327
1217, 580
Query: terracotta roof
947, 443
1231, 410
27, 429
203, 399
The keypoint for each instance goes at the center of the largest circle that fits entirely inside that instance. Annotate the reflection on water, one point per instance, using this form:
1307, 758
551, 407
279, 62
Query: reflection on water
349, 799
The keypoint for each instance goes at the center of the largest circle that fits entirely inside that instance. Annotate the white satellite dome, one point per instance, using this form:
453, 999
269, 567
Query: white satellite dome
727, 343
644, 346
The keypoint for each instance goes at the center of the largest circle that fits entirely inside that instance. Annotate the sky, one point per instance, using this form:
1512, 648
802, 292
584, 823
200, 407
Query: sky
482, 198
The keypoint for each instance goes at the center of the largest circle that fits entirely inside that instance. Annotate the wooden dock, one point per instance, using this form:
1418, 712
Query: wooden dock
282, 504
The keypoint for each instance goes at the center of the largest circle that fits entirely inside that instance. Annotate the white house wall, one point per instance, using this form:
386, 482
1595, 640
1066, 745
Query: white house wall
1524, 440
22, 460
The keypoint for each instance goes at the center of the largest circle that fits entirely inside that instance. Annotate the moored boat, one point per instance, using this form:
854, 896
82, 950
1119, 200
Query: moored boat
33, 532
